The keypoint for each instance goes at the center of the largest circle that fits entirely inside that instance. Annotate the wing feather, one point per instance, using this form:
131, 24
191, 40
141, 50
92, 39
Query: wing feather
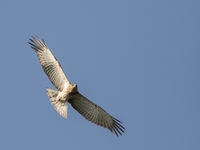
96, 114
49, 63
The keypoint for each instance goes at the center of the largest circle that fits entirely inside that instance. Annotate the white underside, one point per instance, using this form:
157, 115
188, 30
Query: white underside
62, 95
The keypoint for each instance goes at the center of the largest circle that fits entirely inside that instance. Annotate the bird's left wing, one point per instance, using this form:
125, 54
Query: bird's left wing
49, 63
95, 114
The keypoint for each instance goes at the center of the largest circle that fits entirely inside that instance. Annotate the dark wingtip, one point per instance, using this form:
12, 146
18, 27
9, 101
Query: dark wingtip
117, 128
36, 43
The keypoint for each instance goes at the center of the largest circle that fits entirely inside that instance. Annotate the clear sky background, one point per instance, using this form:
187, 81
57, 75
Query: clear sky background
138, 59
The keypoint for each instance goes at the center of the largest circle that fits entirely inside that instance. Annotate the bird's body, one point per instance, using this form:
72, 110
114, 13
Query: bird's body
64, 95
68, 93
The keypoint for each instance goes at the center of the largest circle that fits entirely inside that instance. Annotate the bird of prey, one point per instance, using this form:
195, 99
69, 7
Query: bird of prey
68, 93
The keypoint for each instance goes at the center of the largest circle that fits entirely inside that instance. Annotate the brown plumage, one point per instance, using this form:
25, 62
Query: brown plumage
68, 93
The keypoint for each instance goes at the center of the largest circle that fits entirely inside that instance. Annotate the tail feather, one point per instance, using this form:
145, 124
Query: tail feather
59, 106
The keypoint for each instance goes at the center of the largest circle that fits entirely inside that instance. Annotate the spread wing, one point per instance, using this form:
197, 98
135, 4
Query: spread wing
49, 63
95, 114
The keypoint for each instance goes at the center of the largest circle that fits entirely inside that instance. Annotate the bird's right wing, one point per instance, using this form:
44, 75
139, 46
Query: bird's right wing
95, 114
50, 65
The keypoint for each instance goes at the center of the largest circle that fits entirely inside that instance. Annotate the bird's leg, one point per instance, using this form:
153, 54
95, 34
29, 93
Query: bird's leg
62, 97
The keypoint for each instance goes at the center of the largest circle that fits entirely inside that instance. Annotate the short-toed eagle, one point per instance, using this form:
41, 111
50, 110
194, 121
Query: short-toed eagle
68, 93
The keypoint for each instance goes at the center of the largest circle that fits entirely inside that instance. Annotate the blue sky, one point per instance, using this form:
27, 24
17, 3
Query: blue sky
139, 60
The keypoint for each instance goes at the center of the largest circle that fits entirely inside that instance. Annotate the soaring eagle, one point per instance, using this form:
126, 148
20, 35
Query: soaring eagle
68, 93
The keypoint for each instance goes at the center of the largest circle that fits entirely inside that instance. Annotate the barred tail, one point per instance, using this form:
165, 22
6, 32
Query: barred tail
59, 106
